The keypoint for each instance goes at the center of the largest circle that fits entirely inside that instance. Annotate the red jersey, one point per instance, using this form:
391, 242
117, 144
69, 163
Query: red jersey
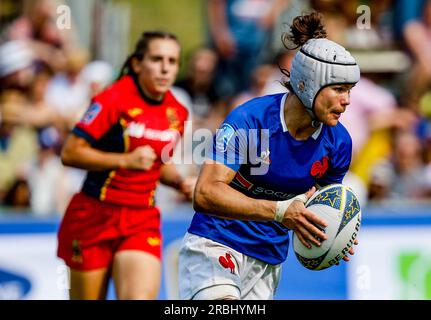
120, 119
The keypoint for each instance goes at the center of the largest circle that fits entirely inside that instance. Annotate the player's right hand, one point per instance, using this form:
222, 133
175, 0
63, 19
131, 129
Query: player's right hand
303, 221
141, 158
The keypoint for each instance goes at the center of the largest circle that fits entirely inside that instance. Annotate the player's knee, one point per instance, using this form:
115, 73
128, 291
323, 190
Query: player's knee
219, 292
228, 298
136, 295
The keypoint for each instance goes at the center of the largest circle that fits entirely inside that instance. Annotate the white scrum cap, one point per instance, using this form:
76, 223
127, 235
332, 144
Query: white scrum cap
14, 56
318, 64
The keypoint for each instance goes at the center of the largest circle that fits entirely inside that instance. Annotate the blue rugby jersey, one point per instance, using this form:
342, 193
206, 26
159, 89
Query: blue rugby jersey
270, 164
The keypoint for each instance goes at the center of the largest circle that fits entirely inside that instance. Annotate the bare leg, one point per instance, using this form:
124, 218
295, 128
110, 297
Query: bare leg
136, 275
89, 285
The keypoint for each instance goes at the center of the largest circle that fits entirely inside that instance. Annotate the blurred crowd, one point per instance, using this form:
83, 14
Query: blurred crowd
47, 80
46, 83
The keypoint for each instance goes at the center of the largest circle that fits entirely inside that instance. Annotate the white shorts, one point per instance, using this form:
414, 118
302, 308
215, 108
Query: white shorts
209, 270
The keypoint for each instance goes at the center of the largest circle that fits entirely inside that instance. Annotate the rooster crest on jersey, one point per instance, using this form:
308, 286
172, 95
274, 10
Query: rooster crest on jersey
227, 263
319, 167
339, 207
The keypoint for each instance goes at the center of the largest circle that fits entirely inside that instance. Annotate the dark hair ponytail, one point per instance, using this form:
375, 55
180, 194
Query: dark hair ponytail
141, 48
304, 28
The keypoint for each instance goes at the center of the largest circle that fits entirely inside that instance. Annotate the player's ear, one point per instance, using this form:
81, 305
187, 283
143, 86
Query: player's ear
136, 65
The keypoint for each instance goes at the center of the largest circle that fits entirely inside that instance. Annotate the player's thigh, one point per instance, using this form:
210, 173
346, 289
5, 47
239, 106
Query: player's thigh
208, 270
136, 275
260, 281
89, 285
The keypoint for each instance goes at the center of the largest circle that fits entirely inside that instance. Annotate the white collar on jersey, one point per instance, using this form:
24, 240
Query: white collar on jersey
283, 121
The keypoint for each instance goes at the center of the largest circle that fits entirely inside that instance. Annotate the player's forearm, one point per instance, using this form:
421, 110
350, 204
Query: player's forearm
93, 159
221, 200
170, 176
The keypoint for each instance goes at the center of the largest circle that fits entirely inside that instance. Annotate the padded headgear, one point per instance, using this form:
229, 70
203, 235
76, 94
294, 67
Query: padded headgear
318, 64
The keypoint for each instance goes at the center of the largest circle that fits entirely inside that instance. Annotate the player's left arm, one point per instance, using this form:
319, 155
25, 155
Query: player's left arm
170, 176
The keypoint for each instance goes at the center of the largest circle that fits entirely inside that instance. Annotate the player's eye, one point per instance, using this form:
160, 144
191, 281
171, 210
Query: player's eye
155, 58
342, 90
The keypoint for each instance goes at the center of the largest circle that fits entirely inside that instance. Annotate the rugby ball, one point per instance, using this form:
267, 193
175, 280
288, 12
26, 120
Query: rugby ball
338, 205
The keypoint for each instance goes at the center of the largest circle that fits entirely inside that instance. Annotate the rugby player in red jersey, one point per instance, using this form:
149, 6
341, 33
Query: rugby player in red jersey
111, 229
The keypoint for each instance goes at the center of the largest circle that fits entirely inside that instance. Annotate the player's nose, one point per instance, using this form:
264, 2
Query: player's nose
345, 100
165, 66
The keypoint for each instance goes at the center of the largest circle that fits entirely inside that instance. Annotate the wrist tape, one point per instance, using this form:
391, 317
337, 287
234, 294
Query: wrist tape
283, 205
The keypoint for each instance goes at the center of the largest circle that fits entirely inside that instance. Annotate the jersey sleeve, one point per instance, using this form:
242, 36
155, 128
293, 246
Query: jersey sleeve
100, 116
230, 143
339, 164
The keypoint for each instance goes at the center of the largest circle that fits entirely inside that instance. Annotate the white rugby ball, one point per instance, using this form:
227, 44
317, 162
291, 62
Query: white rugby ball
339, 207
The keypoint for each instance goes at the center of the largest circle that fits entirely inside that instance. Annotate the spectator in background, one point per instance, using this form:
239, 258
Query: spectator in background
46, 177
26, 118
342, 16
281, 67
259, 80
404, 12
24, 87
17, 143
17, 147
372, 107
292, 8
417, 38
381, 178
67, 93
372, 114
402, 176
238, 30
426, 142
335, 18
18, 196
38, 22
34, 110
37, 26
198, 84
97, 75
16, 66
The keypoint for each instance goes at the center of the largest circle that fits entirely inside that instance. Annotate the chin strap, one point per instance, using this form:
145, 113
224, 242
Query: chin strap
315, 123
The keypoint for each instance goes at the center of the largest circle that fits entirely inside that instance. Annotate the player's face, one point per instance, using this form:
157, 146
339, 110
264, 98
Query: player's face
159, 67
331, 102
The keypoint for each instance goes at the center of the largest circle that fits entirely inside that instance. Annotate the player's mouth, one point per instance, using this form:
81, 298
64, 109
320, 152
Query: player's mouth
336, 114
162, 82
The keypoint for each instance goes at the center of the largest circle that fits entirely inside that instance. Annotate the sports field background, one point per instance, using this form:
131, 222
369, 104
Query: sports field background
391, 171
